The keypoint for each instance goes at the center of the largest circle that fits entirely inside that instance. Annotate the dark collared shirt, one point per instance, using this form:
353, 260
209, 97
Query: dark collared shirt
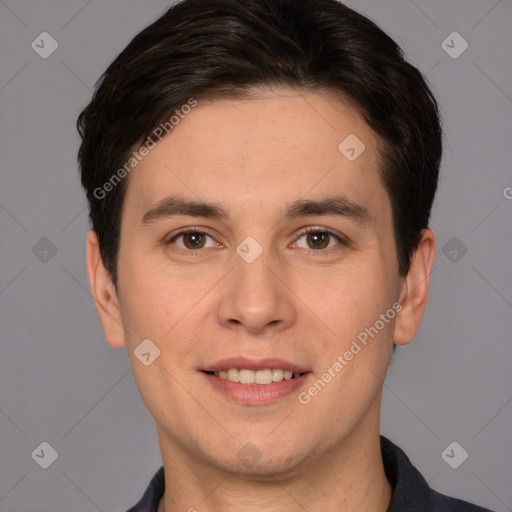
411, 492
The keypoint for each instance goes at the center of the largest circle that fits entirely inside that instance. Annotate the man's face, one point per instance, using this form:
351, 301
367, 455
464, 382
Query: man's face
303, 300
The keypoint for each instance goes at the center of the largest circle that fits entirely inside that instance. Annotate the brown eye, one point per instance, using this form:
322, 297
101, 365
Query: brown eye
322, 241
318, 239
193, 240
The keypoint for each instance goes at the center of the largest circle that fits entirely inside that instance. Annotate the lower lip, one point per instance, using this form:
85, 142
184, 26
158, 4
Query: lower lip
255, 394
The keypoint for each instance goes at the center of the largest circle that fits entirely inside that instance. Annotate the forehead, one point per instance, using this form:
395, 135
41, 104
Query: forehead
254, 154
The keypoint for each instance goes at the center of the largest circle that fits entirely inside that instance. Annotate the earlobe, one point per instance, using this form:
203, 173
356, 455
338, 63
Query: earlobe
414, 292
104, 293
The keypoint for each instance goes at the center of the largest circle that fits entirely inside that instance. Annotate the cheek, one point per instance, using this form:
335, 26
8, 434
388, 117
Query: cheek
166, 307
148, 303
348, 302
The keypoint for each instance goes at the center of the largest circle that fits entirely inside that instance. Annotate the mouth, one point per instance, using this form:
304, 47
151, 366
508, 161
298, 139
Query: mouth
256, 382
263, 377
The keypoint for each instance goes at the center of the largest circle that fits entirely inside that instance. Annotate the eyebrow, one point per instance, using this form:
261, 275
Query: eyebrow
338, 205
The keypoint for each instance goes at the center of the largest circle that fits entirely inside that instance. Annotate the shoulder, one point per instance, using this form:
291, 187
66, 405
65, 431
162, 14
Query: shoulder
451, 504
154, 492
411, 492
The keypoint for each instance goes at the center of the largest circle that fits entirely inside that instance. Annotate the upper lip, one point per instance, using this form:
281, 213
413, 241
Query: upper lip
254, 364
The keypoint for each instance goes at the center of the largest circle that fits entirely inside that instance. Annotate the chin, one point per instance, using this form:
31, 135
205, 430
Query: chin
260, 460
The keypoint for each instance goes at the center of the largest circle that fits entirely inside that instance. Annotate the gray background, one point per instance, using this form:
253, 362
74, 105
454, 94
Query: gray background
61, 383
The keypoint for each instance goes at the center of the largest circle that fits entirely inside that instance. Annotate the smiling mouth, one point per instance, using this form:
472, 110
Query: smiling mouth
262, 377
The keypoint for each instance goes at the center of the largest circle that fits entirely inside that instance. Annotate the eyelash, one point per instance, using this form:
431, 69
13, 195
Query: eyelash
195, 252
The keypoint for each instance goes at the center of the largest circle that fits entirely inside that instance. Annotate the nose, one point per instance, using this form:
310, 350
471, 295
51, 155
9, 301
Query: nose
256, 296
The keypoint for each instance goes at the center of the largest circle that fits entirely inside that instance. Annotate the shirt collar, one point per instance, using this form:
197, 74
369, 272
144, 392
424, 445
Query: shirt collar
411, 491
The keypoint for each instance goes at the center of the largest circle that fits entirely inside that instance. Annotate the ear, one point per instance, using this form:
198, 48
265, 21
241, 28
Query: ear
414, 291
104, 293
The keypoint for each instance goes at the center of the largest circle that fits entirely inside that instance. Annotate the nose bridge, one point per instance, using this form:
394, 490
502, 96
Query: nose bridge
254, 273
253, 282
254, 296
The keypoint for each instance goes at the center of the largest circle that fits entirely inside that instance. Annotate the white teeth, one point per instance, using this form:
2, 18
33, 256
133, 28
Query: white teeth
266, 376
277, 375
233, 375
246, 377
263, 377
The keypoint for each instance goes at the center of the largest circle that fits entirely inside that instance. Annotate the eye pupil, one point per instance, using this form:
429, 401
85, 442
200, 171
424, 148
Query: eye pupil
316, 237
194, 238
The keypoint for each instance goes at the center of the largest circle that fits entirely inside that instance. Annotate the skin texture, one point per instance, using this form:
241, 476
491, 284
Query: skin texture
254, 156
